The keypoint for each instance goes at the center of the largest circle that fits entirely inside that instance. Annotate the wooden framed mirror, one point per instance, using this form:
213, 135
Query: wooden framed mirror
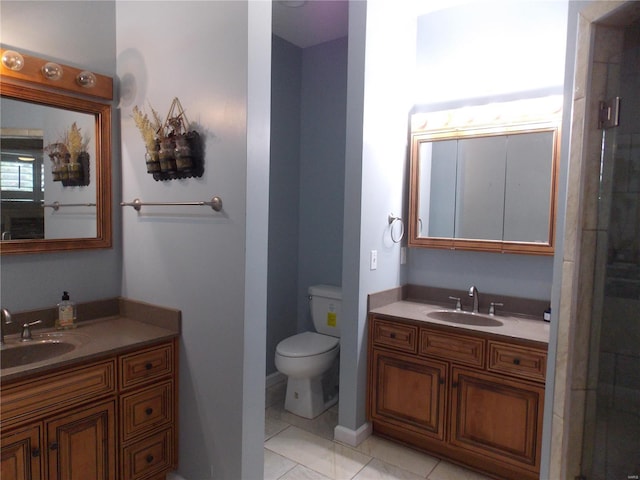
484, 182
54, 198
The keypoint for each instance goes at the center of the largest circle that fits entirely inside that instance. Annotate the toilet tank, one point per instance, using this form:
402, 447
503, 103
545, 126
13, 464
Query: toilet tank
325, 302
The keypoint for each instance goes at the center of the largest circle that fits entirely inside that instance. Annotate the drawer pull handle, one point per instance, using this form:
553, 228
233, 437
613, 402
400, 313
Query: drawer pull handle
149, 411
53, 446
35, 452
148, 366
392, 335
149, 458
516, 361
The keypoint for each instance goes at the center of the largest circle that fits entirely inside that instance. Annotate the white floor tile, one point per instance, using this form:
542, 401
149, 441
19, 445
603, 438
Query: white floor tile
448, 471
395, 454
379, 470
272, 425
323, 425
300, 472
275, 466
331, 459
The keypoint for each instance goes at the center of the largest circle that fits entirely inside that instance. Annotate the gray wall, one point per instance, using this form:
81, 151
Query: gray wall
307, 181
322, 182
284, 195
214, 56
381, 59
37, 281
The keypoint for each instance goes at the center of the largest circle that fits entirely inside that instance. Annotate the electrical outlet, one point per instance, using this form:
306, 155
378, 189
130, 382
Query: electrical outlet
373, 260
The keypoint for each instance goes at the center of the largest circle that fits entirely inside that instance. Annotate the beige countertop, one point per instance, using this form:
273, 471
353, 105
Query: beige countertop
92, 339
513, 326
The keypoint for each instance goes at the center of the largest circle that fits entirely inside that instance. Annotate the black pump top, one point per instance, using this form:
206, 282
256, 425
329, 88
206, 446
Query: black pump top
65, 296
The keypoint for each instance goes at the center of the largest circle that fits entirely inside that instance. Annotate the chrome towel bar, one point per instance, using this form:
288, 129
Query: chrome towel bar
56, 205
215, 203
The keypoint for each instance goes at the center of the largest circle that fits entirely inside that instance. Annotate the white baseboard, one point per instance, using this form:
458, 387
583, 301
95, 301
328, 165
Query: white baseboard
352, 437
274, 379
174, 476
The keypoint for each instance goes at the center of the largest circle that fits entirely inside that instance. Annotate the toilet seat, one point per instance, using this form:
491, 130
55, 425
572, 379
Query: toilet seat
306, 344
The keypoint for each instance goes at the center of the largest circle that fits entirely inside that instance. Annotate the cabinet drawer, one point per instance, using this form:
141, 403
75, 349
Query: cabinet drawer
150, 456
52, 393
142, 411
449, 346
524, 362
140, 367
395, 335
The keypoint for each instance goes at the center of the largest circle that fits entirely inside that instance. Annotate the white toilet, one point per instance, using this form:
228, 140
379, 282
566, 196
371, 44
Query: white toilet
310, 359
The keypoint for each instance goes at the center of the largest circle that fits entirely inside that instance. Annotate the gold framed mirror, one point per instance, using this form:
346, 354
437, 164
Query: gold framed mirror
54, 198
485, 181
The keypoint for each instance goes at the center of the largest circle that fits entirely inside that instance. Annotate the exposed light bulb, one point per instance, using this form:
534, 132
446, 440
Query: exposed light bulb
12, 60
86, 79
52, 71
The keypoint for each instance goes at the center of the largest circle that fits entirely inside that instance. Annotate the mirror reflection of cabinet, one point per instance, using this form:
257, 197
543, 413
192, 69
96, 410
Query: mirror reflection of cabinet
487, 188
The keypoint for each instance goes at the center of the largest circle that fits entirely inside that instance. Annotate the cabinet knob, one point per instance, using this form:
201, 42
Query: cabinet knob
149, 411
53, 446
35, 452
149, 458
516, 361
392, 335
454, 384
148, 366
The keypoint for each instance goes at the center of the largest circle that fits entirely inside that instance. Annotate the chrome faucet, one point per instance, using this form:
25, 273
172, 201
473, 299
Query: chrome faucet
6, 320
473, 292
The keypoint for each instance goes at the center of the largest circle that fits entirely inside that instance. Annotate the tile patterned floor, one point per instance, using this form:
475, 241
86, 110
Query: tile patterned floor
299, 449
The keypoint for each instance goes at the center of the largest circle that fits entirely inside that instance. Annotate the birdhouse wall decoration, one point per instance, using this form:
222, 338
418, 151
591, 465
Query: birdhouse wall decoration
174, 150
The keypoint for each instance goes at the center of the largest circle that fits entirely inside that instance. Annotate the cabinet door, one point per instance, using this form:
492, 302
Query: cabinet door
81, 444
21, 454
497, 417
409, 392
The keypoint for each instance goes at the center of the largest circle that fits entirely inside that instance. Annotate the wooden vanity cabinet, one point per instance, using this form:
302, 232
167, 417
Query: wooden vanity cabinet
113, 419
20, 454
463, 396
148, 412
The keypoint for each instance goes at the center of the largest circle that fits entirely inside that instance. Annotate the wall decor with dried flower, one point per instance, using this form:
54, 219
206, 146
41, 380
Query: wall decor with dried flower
70, 158
174, 150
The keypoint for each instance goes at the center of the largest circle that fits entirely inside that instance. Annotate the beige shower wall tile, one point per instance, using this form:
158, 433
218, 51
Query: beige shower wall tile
557, 454
582, 325
608, 43
595, 10
565, 320
575, 426
572, 212
583, 44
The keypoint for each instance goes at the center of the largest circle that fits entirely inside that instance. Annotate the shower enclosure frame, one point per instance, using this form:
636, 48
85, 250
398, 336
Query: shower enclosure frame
572, 397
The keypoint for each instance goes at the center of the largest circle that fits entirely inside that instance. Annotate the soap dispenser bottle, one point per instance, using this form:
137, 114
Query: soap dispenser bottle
66, 313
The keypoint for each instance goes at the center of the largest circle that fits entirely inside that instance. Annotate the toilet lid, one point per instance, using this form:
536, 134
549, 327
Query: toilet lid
306, 344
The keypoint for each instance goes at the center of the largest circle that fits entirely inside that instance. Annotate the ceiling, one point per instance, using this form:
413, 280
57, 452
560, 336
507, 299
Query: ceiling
311, 22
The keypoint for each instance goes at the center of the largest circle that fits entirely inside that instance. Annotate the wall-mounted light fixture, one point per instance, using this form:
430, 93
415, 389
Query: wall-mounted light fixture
86, 79
12, 60
18, 68
52, 71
